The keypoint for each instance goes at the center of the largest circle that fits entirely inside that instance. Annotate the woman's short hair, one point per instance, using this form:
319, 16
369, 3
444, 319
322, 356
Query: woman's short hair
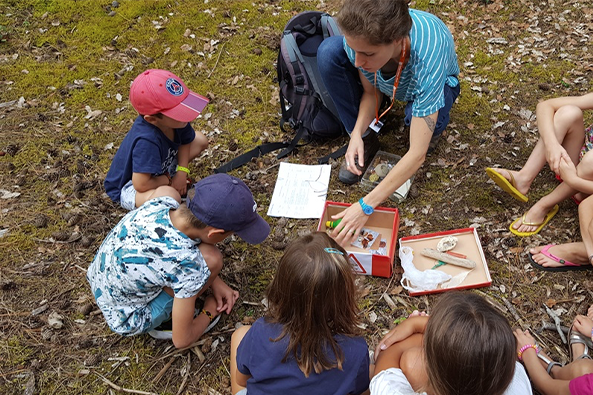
379, 22
469, 346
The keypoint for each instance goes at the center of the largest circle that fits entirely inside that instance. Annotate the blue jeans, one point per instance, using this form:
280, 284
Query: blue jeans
342, 81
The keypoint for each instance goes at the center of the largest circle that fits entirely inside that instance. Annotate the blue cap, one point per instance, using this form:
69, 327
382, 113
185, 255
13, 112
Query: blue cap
225, 202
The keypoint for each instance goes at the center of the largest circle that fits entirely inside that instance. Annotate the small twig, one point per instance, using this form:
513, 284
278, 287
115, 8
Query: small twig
186, 375
557, 322
164, 370
122, 389
552, 327
217, 59
513, 312
491, 301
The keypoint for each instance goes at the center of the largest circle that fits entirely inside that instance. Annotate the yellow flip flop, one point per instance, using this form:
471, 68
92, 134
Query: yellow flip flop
539, 225
506, 185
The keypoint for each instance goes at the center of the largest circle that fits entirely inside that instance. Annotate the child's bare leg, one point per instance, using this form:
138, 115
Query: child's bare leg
235, 341
213, 258
585, 171
537, 212
586, 224
571, 252
407, 356
196, 147
570, 131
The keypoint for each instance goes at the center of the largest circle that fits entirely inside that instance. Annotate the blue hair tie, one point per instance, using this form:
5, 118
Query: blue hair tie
333, 251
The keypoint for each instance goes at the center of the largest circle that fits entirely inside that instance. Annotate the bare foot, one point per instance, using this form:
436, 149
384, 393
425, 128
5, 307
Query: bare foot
516, 180
571, 252
536, 214
545, 365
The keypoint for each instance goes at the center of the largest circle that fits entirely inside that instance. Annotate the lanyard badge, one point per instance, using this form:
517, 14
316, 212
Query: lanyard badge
376, 124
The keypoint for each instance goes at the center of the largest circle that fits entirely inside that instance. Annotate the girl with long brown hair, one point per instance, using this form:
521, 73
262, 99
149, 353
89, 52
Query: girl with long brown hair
308, 342
464, 347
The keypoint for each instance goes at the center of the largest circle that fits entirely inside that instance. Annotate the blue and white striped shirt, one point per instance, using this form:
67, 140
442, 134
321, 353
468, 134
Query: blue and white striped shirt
432, 64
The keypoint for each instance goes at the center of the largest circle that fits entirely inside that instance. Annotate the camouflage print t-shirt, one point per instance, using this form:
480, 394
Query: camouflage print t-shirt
140, 256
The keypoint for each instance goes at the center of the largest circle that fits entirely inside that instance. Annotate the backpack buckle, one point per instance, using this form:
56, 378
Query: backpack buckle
300, 80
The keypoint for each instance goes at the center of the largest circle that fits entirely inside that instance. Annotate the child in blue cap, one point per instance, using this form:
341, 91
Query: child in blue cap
161, 257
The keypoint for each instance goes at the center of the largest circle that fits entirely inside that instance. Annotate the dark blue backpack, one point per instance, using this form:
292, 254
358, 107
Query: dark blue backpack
305, 103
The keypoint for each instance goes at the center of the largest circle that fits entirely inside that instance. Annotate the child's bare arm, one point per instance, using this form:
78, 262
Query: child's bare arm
569, 174
545, 111
541, 379
186, 328
145, 182
224, 295
179, 181
402, 331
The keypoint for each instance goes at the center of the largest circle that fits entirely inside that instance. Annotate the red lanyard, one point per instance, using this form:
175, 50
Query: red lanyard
403, 60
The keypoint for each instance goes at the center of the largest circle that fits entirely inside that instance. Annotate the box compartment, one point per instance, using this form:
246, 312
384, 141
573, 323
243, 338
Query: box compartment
385, 221
373, 176
468, 244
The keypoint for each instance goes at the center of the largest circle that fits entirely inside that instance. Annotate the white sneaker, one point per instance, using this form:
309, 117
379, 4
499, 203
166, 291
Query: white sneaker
167, 334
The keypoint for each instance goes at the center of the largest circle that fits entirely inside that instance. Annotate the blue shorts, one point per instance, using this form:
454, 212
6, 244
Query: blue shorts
161, 308
443, 117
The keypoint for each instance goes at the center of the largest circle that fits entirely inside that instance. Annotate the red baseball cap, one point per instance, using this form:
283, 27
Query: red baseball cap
160, 91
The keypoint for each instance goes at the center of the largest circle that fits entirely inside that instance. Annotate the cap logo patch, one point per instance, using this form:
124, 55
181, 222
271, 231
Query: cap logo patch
254, 206
174, 87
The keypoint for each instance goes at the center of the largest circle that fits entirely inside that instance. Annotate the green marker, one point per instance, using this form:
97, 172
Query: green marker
333, 224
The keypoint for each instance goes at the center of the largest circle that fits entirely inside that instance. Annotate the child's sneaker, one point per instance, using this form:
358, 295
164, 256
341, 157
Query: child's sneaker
165, 330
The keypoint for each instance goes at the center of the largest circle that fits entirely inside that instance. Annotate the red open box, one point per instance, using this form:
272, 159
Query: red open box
468, 244
383, 220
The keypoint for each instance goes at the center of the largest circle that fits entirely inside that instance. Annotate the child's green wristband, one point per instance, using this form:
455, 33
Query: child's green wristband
184, 169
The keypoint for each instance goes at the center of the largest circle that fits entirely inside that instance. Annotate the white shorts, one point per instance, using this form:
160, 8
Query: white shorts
127, 197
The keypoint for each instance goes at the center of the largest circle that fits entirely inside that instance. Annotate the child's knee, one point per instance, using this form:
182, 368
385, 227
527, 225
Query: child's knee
569, 114
585, 166
213, 257
582, 367
199, 144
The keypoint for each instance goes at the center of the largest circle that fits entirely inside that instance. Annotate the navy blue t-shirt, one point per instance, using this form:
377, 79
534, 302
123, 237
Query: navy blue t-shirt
145, 149
261, 358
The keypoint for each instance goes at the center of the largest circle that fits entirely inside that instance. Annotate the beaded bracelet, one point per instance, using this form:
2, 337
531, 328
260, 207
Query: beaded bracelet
208, 314
526, 347
184, 169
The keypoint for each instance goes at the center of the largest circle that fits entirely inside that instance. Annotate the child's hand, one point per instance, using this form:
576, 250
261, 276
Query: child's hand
583, 324
567, 169
225, 296
523, 338
554, 155
179, 182
415, 324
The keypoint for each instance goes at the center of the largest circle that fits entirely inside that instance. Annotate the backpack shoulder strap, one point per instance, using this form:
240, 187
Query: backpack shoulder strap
247, 156
329, 26
334, 155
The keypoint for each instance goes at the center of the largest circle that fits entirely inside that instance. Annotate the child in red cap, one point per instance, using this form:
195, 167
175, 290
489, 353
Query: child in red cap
161, 143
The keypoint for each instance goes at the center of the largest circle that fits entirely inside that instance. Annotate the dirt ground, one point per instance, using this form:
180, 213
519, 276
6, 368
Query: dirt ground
65, 70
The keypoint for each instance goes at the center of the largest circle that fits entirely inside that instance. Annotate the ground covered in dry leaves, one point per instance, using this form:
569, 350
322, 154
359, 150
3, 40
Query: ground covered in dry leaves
65, 70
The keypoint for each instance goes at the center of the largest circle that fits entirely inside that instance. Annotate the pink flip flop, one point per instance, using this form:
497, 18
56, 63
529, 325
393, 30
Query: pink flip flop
568, 266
